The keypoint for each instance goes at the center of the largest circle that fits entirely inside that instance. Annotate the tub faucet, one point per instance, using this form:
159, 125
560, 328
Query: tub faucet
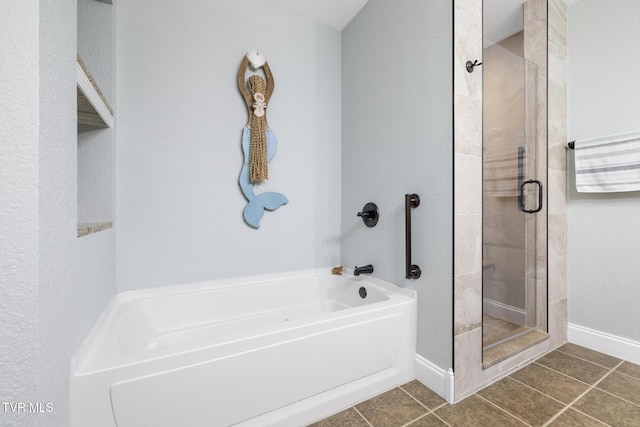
366, 269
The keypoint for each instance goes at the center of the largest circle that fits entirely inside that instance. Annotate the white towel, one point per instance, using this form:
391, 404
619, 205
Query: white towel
500, 174
608, 164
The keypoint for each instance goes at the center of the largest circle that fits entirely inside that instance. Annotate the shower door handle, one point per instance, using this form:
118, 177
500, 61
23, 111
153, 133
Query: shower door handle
539, 184
520, 176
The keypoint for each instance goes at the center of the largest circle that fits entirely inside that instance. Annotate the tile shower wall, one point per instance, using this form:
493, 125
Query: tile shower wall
503, 238
557, 246
469, 375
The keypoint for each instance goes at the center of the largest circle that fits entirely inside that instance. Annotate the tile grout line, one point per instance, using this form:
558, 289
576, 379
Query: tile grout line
438, 417
421, 404
535, 389
618, 397
429, 411
424, 416
563, 374
590, 417
442, 405
626, 375
414, 420
502, 410
432, 412
556, 415
591, 361
570, 404
565, 405
363, 417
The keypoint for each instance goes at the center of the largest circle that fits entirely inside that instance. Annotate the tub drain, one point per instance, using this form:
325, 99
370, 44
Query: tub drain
363, 292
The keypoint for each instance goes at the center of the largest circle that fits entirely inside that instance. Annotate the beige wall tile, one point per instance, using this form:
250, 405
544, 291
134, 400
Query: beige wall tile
535, 45
468, 304
558, 322
467, 362
468, 244
467, 46
467, 126
558, 154
468, 192
557, 192
541, 309
557, 279
557, 236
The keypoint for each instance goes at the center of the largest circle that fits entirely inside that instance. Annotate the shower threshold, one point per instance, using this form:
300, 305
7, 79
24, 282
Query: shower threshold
504, 349
512, 335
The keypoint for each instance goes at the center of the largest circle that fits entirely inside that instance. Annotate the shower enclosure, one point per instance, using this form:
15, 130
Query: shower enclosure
514, 180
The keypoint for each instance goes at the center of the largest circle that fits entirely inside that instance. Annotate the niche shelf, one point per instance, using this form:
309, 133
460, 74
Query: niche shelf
85, 229
93, 108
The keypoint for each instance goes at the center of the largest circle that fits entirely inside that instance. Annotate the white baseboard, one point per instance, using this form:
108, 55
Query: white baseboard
615, 346
503, 311
435, 378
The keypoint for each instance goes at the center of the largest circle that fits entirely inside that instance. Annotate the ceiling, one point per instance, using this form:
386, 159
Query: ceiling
333, 13
502, 18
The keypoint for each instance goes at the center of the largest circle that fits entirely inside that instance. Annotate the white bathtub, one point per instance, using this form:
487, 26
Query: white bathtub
276, 350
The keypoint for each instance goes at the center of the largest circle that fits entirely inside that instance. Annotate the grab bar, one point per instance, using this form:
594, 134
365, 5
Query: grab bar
410, 201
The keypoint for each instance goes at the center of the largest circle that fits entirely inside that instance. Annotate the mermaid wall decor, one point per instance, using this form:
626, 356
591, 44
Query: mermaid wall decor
258, 141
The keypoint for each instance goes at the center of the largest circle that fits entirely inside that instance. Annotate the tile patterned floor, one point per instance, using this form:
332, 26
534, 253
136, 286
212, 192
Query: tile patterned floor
570, 387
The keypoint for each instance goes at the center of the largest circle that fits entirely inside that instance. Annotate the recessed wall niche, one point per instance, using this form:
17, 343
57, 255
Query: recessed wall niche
96, 135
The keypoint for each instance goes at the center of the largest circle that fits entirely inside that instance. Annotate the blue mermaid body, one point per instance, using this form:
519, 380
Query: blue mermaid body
254, 211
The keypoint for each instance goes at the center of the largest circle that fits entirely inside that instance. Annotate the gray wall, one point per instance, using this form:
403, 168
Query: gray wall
61, 320
19, 207
397, 139
53, 285
603, 229
180, 118
76, 276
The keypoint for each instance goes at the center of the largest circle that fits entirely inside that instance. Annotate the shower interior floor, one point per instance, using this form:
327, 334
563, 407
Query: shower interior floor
502, 339
495, 330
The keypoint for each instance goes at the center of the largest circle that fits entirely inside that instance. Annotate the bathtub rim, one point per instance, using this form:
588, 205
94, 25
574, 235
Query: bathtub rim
396, 293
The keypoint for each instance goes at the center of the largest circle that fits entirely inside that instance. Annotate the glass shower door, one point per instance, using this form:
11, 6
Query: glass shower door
512, 191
